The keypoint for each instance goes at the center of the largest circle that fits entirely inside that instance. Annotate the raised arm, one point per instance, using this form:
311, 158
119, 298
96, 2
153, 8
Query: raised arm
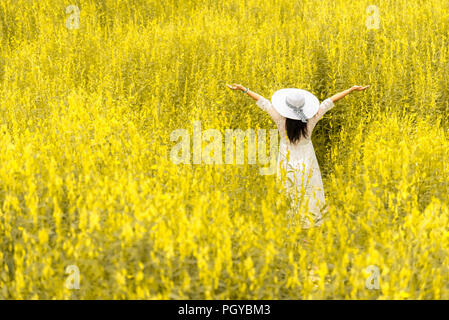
253, 95
262, 102
328, 104
342, 94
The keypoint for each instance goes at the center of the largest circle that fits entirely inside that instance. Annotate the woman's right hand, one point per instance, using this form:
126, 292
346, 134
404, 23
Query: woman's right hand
236, 87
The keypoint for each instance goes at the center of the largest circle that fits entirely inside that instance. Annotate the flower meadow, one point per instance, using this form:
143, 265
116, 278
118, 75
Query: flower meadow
93, 207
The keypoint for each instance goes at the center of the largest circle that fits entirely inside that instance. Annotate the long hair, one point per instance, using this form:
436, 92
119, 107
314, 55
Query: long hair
295, 128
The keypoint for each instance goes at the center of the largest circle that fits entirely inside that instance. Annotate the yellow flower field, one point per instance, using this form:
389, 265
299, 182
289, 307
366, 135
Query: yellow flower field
88, 188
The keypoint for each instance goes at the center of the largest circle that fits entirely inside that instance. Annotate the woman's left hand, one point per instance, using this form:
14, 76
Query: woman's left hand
359, 88
236, 87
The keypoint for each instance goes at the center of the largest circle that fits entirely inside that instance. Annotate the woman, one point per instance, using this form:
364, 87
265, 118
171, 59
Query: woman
296, 112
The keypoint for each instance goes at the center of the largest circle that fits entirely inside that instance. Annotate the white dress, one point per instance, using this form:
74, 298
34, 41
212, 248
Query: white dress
298, 167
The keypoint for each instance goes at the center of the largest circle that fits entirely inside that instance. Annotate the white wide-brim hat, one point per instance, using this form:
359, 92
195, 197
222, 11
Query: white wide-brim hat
295, 103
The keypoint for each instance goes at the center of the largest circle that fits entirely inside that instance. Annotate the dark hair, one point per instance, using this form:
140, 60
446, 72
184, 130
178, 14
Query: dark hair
295, 128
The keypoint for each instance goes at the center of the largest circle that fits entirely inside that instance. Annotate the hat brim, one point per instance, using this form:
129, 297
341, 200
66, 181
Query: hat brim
311, 104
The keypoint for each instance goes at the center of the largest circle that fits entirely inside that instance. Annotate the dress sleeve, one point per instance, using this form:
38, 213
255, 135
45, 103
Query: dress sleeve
325, 106
266, 105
